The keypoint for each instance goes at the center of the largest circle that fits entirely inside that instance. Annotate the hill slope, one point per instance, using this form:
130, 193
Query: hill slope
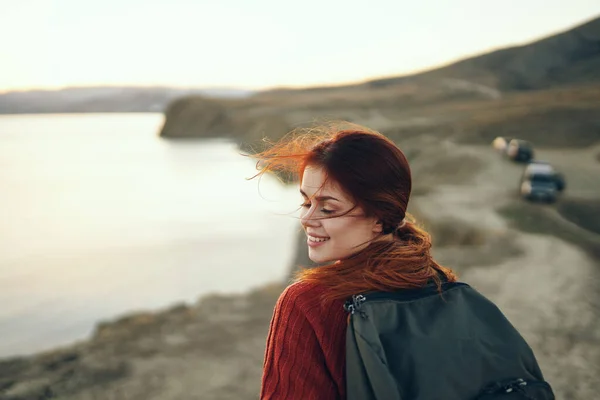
547, 91
570, 57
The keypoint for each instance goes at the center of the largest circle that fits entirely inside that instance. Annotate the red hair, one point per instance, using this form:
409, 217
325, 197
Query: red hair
375, 173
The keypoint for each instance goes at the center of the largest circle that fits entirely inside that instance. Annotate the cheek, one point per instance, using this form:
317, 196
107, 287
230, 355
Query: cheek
340, 229
351, 231
332, 227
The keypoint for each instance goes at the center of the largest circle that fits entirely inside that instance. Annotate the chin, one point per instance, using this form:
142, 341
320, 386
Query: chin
320, 259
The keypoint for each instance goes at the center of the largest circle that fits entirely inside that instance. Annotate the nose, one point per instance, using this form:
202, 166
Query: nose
307, 220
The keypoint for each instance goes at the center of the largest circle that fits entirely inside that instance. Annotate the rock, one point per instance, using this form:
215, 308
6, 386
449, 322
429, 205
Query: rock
197, 117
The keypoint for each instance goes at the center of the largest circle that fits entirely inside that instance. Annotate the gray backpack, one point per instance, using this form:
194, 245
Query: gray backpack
420, 344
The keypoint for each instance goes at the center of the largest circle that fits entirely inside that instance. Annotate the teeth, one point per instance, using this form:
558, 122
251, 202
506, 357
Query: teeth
316, 239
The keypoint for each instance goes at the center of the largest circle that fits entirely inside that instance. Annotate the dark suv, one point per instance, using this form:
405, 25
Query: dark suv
540, 181
519, 150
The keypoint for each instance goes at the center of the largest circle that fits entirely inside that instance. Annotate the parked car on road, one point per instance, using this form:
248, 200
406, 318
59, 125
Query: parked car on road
519, 150
540, 181
544, 167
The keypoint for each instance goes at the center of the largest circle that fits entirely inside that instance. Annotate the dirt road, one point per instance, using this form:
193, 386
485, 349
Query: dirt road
548, 288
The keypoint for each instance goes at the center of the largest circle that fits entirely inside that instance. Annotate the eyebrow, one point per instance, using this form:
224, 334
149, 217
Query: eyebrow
319, 198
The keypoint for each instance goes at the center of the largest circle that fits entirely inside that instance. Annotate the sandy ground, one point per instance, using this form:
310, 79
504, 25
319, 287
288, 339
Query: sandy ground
548, 287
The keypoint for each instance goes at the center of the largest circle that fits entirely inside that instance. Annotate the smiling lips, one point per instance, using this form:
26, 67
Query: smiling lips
314, 241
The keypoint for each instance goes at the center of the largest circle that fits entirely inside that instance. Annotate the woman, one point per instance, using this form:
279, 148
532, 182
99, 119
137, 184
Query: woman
355, 185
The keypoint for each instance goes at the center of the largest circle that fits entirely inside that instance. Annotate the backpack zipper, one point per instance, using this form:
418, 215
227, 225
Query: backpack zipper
355, 304
517, 385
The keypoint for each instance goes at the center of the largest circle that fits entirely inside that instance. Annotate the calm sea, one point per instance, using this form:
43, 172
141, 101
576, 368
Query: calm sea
99, 217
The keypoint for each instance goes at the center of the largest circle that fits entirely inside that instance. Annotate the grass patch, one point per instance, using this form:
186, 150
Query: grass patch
446, 233
583, 212
451, 169
534, 218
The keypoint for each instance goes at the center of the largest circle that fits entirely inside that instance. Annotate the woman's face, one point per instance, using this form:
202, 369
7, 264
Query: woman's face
331, 238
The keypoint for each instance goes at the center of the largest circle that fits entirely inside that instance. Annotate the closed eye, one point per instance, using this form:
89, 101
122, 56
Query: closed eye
323, 210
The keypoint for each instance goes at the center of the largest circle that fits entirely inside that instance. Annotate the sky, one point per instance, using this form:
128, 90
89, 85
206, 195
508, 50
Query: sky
257, 44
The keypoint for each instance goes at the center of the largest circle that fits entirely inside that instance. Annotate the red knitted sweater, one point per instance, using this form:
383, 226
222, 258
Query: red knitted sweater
306, 347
